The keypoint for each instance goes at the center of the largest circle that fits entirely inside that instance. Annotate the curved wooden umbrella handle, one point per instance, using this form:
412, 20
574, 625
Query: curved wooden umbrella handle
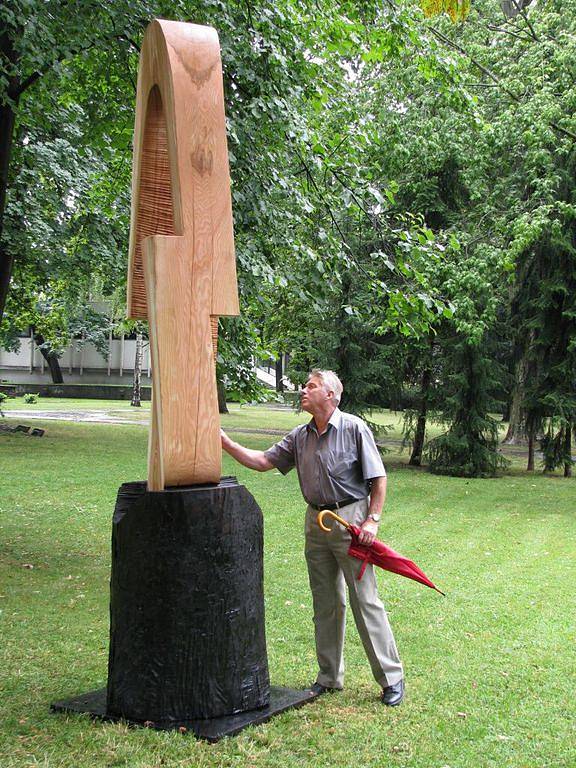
322, 514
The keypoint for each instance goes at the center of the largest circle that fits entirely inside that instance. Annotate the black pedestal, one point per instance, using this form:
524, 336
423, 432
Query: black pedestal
186, 604
213, 729
187, 642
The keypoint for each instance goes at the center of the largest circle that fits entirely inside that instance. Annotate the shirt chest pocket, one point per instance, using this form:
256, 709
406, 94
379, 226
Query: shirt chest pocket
341, 465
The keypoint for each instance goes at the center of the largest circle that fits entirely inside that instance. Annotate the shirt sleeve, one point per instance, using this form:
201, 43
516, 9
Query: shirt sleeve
372, 465
281, 455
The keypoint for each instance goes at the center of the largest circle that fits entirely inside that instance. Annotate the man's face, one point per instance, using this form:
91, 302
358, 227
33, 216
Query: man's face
314, 394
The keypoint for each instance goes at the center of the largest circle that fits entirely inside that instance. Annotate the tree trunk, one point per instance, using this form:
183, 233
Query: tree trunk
280, 374
136, 390
7, 118
515, 433
418, 447
51, 359
222, 406
568, 450
531, 441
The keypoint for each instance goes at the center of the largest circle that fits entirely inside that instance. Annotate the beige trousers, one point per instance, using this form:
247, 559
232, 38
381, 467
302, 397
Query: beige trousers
329, 569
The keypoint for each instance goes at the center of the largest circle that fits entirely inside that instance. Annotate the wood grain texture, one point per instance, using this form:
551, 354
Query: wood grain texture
182, 271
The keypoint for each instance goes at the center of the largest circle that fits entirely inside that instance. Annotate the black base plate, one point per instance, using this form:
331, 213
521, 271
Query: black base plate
94, 703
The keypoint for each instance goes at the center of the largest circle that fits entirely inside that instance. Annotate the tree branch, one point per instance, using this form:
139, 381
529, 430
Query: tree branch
447, 41
31, 79
319, 191
25, 84
522, 11
358, 202
496, 28
127, 39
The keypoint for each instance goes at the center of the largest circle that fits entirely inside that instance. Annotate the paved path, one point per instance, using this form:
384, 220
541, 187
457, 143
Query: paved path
99, 417
107, 417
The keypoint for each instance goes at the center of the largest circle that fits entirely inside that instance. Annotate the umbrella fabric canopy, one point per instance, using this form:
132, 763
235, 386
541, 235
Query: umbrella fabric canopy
378, 553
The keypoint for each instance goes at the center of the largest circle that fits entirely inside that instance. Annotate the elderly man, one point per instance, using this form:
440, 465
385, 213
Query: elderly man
339, 468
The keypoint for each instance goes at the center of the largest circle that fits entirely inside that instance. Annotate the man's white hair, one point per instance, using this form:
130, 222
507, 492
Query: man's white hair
331, 382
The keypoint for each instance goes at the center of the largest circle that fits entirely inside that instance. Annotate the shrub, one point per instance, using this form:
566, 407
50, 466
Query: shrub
30, 397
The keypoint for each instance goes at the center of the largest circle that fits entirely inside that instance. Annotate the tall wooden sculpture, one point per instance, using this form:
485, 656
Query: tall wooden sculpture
187, 631
182, 272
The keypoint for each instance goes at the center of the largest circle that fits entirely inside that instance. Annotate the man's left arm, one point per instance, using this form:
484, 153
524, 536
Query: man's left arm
374, 472
369, 528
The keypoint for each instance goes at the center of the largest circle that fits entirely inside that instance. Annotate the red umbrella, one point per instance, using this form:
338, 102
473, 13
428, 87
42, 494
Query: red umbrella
377, 553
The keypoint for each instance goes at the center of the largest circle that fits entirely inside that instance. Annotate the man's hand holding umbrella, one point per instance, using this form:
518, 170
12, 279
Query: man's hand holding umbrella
368, 532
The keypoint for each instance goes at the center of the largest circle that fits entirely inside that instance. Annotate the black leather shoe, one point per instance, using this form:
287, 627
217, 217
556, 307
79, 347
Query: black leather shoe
318, 689
392, 695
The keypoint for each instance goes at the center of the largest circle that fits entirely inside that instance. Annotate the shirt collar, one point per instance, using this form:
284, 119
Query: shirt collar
334, 420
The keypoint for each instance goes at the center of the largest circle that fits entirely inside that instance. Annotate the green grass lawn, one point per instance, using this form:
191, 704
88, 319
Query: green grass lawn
490, 668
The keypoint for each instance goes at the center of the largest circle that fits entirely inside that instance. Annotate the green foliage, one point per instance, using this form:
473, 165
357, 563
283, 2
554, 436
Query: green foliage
296, 153
468, 449
66, 205
395, 177
30, 398
238, 346
544, 317
470, 446
556, 445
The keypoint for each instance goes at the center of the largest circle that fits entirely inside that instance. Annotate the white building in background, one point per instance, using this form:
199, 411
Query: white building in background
81, 363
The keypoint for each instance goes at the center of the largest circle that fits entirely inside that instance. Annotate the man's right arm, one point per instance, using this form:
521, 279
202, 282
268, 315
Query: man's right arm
249, 458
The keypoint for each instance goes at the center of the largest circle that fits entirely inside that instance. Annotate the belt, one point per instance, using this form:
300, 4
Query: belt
335, 505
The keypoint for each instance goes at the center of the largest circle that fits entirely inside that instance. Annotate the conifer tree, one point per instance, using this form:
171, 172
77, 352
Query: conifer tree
470, 446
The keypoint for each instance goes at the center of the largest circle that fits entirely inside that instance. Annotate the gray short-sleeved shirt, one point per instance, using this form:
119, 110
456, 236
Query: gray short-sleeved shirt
334, 466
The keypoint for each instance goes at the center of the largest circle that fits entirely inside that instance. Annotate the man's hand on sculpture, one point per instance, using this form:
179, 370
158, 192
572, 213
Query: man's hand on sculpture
225, 440
246, 456
368, 532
